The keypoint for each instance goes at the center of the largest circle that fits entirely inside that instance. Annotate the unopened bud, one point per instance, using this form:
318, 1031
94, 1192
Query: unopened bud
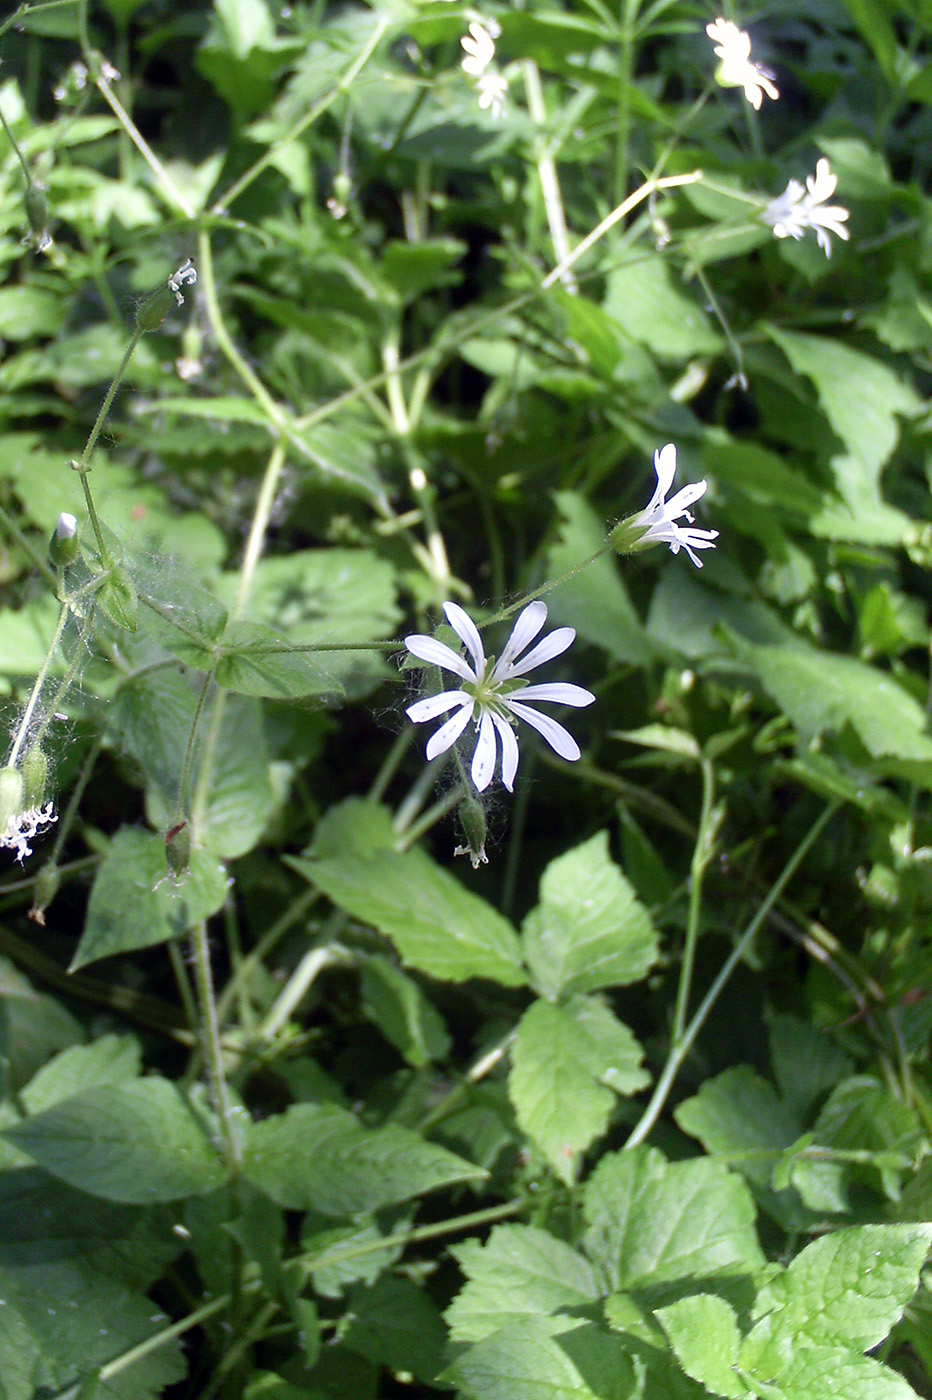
35, 776
37, 209
12, 793
44, 891
63, 546
472, 820
178, 849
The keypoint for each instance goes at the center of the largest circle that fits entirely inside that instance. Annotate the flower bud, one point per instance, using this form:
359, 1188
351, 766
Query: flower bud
152, 312
35, 776
44, 891
178, 849
472, 820
12, 793
63, 546
37, 209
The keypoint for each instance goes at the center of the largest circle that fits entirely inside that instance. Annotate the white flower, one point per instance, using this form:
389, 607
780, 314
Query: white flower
186, 276
797, 209
479, 47
658, 522
23, 826
493, 89
733, 49
492, 693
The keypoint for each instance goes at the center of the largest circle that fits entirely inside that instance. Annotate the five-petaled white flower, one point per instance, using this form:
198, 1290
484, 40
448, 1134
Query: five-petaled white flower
733, 50
23, 827
493, 694
797, 209
479, 47
657, 523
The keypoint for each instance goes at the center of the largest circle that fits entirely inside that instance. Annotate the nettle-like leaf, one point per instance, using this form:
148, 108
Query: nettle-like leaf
520, 1271
653, 1222
436, 924
135, 903
526, 1361
589, 930
568, 1063
402, 1012
319, 1157
137, 1141
704, 1334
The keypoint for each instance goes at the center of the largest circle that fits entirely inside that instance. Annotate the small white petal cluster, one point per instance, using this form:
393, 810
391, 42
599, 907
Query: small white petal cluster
733, 50
24, 826
659, 520
186, 276
799, 208
493, 694
479, 47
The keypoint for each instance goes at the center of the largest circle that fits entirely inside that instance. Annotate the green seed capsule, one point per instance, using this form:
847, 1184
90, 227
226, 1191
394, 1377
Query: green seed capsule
35, 776
37, 209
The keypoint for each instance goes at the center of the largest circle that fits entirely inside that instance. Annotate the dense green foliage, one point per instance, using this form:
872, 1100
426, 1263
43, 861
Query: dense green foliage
307, 331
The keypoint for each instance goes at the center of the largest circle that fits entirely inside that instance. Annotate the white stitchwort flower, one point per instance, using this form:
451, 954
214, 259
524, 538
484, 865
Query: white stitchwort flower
798, 208
733, 50
493, 89
24, 826
493, 694
658, 523
479, 47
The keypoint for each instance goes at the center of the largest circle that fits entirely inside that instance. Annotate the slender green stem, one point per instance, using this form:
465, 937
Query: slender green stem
680, 1049
547, 174
23, 730
308, 119
180, 806
83, 464
260, 523
12, 140
29, 8
211, 1047
701, 853
67, 680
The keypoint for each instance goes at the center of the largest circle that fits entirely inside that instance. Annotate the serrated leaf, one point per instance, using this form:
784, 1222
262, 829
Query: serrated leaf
403, 1013
134, 1142
519, 1362
318, 1157
823, 691
436, 924
703, 1331
135, 903
589, 930
562, 1059
739, 1116
651, 1221
112, 1059
847, 1289
815, 1372
518, 1272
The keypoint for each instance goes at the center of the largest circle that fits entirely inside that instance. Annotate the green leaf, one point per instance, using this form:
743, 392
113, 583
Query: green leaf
318, 1157
415, 268
651, 1222
814, 1372
255, 660
135, 903
806, 1062
821, 690
519, 1362
563, 1057
395, 1324
136, 1142
113, 1059
27, 311
846, 1289
594, 601
644, 300
588, 931
436, 924
402, 1012
519, 1271
862, 1115
703, 1331
117, 598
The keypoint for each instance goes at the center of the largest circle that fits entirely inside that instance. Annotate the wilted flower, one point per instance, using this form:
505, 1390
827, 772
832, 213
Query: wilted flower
733, 49
493, 694
186, 276
657, 524
22, 827
798, 208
